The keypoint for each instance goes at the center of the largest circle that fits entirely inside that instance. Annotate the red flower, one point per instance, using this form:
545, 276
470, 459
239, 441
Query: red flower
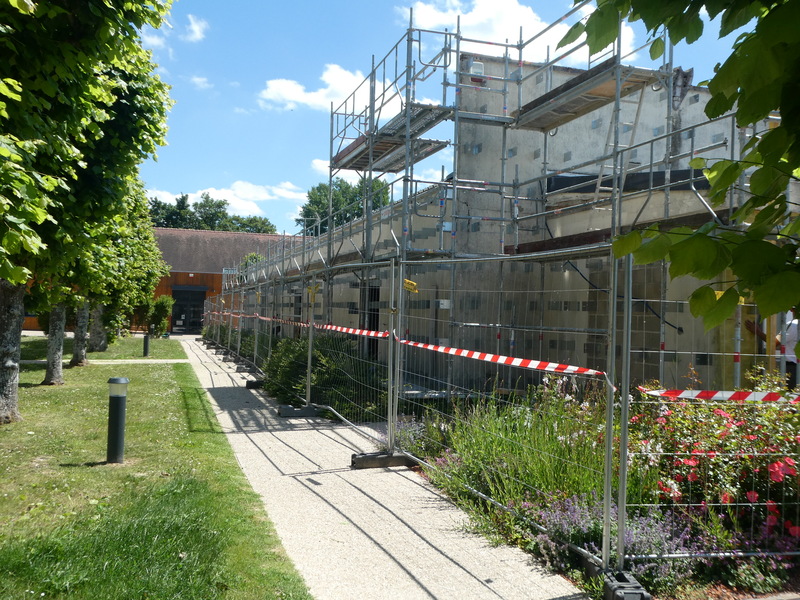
772, 520
691, 461
795, 531
726, 498
772, 507
692, 476
752, 496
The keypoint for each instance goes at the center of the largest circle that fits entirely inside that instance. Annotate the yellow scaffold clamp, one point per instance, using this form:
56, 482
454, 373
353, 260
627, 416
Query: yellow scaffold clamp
410, 286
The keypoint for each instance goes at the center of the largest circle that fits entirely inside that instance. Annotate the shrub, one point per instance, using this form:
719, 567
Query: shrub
161, 314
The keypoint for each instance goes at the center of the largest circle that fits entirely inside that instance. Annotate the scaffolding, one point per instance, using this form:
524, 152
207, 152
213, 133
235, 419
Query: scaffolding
510, 244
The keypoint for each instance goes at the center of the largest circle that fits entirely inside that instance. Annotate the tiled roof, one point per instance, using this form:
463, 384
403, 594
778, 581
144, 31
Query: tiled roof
196, 251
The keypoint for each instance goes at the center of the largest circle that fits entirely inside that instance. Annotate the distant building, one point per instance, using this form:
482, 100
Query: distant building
197, 260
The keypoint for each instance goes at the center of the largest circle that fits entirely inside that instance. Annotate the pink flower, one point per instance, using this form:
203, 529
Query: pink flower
789, 461
721, 413
752, 437
795, 531
691, 461
772, 507
775, 472
692, 476
752, 496
772, 520
661, 420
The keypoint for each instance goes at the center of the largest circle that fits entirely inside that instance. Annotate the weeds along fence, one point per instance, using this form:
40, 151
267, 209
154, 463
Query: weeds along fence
513, 381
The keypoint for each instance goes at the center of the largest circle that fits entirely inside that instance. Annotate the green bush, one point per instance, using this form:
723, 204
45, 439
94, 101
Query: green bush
161, 314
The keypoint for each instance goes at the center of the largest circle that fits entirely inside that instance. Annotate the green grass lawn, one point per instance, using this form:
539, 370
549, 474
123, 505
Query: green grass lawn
176, 520
35, 348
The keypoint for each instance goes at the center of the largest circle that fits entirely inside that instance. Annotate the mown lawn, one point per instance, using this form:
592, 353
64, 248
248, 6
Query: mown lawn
35, 348
176, 520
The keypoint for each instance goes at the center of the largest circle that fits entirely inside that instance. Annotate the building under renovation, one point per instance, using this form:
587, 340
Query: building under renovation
508, 179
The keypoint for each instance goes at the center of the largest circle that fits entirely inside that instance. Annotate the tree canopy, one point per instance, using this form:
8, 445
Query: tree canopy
348, 201
80, 108
207, 213
761, 77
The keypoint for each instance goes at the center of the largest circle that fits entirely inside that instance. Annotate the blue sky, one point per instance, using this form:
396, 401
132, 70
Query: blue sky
253, 83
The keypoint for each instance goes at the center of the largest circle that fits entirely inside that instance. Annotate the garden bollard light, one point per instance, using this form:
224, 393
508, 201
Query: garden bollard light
147, 341
117, 396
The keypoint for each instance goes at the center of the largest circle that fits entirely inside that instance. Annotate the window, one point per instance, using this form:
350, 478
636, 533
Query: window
567, 155
597, 123
626, 127
540, 78
694, 98
662, 96
512, 152
477, 148
658, 130
537, 153
688, 134
718, 138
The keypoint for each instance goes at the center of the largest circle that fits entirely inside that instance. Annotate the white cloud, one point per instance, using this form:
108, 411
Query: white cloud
195, 30
152, 40
322, 167
500, 21
201, 83
287, 94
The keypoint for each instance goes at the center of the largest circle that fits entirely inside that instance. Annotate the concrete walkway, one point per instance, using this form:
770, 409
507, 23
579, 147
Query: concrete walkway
367, 534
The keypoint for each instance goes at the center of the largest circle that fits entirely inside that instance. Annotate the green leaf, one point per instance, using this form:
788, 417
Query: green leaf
754, 260
625, 244
698, 163
573, 34
779, 293
702, 301
696, 254
768, 181
657, 48
653, 250
602, 27
722, 309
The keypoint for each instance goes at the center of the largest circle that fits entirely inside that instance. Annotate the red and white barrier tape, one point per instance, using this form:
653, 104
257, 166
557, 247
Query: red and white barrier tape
498, 359
350, 330
506, 360
739, 396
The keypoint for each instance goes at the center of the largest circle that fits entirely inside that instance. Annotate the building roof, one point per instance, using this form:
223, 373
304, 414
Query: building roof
196, 251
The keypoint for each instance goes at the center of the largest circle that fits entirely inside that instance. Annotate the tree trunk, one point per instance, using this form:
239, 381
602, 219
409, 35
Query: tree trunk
98, 338
12, 316
55, 346
79, 343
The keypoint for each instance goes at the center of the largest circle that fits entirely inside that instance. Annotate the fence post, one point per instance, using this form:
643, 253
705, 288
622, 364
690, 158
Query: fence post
391, 399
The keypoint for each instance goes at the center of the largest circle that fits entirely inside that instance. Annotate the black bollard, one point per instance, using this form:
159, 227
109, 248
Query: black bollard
117, 398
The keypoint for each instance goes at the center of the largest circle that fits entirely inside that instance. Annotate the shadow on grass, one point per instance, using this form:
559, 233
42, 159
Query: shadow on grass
86, 464
200, 417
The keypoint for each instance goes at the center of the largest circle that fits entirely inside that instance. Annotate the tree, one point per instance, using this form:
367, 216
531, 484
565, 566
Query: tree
175, 216
762, 75
208, 214
80, 108
348, 202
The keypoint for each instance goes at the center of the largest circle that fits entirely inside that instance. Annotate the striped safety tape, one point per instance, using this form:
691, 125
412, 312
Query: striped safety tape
350, 330
738, 396
499, 359
506, 360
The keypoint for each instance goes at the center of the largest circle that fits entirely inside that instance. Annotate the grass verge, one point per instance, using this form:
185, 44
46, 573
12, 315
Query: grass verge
176, 520
35, 348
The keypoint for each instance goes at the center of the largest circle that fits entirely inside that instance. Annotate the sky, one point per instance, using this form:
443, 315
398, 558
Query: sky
253, 82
